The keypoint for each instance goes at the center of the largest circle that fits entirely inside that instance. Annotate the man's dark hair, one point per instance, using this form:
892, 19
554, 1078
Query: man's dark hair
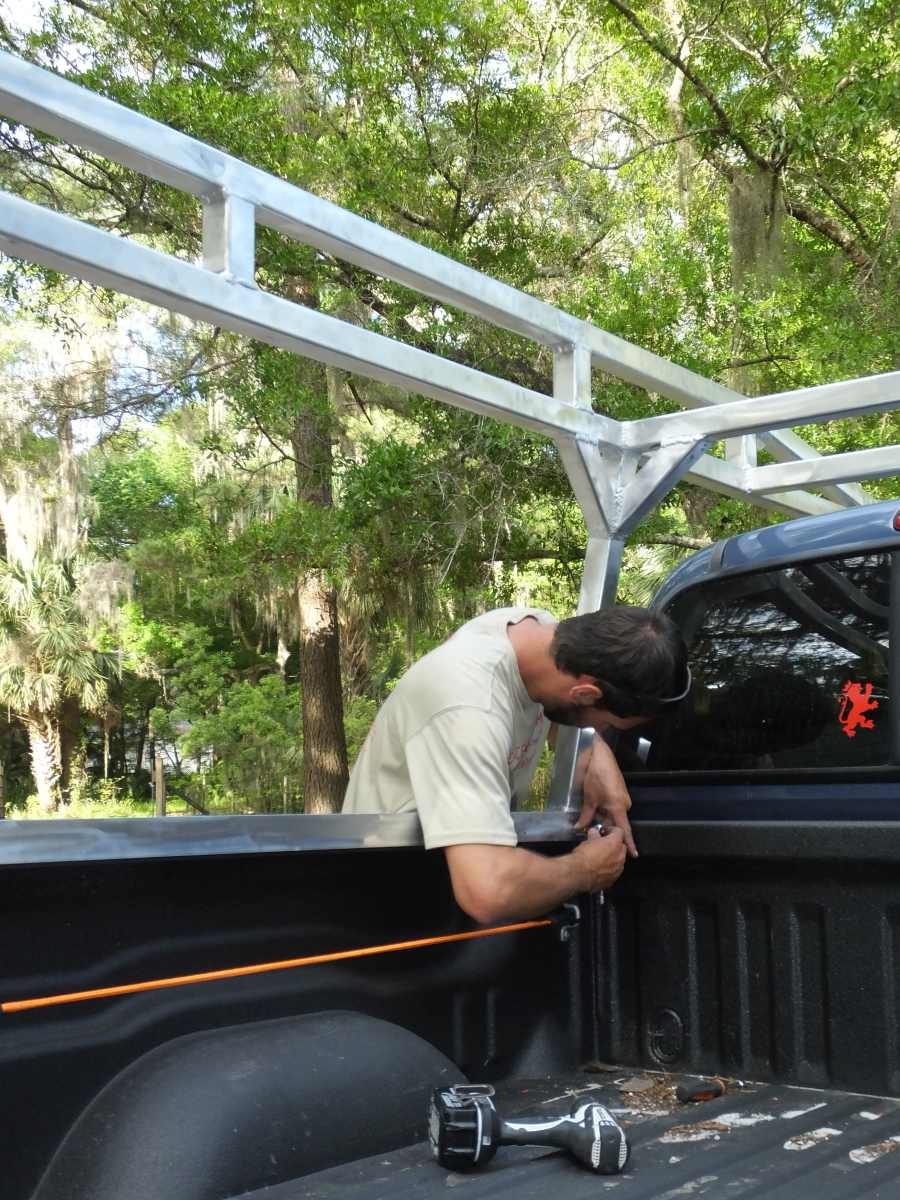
637, 656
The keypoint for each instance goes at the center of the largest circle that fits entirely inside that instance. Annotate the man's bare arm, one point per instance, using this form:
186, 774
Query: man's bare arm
603, 790
509, 883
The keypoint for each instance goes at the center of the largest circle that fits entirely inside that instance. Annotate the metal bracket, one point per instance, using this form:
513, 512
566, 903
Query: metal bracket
567, 921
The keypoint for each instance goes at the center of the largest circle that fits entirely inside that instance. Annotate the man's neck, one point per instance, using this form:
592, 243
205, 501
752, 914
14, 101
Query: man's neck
531, 643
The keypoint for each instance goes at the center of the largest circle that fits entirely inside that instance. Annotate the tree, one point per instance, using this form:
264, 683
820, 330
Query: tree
46, 659
716, 184
353, 113
252, 735
54, 596
793, 110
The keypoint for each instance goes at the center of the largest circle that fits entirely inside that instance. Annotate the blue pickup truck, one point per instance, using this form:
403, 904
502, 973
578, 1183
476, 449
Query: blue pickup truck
751, 954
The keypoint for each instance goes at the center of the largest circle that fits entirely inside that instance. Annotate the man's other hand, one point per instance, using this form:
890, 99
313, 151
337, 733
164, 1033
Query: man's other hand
602, 857
605, 794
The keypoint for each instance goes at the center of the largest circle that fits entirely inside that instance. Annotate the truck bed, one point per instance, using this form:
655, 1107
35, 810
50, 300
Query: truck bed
759, 950
759, 1140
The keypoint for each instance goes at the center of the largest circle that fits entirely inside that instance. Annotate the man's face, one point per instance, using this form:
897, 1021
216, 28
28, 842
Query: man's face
579, 703
592, 717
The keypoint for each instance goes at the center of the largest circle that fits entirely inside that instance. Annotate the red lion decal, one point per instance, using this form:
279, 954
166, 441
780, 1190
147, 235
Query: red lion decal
856, 699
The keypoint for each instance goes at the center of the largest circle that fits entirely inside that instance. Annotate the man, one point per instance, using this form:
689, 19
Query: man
458, 739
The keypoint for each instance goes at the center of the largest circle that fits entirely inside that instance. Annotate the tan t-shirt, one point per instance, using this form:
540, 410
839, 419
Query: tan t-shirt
457, 740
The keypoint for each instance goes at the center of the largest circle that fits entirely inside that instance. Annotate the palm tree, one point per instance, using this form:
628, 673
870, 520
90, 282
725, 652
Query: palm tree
47, 658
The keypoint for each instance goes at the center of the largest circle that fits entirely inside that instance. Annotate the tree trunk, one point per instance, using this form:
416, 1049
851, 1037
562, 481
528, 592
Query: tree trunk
69, 732
120, 761
684, 152
411, 625
355, 634
143, 730
325, 770
324, 745
755, 228
756, 215
46, 767
159, 787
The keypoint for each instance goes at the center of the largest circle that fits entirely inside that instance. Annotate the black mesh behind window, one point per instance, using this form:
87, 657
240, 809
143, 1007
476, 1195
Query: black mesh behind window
785, 665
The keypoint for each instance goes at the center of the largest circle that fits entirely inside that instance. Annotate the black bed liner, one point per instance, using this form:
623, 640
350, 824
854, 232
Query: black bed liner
759, 1140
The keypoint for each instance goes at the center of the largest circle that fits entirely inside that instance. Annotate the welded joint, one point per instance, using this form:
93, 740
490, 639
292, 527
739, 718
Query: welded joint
680, 447
655, 479
229, 238
603, 467
585, 467
742, 476
748, 479
742, 451
572, 375
572, 386
624, 466
627, 483
745, 482
676, 433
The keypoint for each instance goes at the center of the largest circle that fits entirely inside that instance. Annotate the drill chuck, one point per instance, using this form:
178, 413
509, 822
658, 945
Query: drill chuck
465, 1130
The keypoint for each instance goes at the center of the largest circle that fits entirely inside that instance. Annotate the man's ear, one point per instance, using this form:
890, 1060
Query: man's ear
586, 694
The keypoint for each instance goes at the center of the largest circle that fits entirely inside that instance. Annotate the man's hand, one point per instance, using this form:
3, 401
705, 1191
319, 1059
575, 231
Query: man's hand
602, 857
509, 883
605, 793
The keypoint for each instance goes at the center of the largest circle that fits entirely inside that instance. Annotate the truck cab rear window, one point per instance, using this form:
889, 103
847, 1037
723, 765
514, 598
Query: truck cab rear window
791, 670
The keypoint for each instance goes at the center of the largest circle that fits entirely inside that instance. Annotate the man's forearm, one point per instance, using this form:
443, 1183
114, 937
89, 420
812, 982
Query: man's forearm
508, 883
535, 884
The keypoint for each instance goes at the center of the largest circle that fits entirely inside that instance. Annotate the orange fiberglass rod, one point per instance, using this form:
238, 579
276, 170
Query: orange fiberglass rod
150, 985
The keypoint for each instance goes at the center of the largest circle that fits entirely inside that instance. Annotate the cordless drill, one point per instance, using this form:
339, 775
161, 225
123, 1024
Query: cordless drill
465, 1130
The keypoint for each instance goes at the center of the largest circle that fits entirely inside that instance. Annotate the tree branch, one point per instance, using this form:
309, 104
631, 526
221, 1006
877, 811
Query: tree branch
576, 554
351, 388
737, 363
761, 58
564, 272
676, 539
843, 206
98, 14
630, 158
421, 222
830, 229
284, 457
679, 64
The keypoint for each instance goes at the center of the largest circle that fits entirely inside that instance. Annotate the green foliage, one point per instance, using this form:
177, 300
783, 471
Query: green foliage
141, 491
253, 735
47, 653
542, 141
196, 680
101, 804
359, 713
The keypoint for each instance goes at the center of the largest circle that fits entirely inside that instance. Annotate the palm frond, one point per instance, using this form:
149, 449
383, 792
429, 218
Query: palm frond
643, 570
46, 651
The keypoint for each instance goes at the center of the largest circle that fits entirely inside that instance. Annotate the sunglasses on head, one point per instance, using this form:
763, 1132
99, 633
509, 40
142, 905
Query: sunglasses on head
681, 695
644, 705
